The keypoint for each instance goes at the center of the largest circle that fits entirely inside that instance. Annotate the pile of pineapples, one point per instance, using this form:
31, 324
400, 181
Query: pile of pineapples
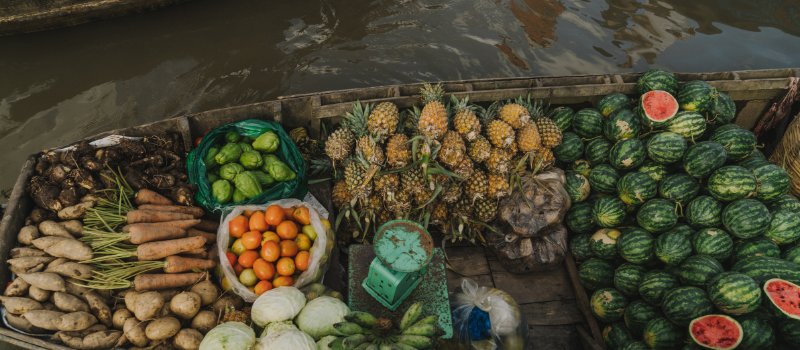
447, 165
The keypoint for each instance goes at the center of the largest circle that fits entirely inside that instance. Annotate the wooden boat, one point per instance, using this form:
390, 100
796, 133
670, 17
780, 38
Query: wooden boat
25, 16
554, 303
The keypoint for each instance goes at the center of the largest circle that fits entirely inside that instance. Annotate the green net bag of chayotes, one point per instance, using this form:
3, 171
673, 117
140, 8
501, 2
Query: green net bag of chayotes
246, 165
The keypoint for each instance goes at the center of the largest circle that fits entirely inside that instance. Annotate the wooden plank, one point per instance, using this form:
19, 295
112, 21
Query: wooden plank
467, 260
588, 342
454, 281
18, 206
582, 299
203, 122
8, 336
534, 287
552, 313
553, 337
752, 111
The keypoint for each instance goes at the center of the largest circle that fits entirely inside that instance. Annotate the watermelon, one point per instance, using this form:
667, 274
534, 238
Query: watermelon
657, 172
608, 304
657, 107
718, 332
635, 345
758, 333
786, 201
755, 247
654, 285
697, 96
680, 188
580, 246
790, 333
661, 334
637, 314
597, 151
713, 242
579, 218
772, 181
684, 230
612, 103
746, 218
690, 125
570, 149
608, 211
627, 278
754, 160
784, 296
636, 246
723, 109
562, 116
577, 186
604, 243
627, 154
784, 228
588, 123
666, 147
616, 335
734, 293
683, 304
581, 166
791, 254
703, 158
672, 248
603, 178
738, 142
657, 215
635, 188
731, 182
763, 268
657, 79
622, 125
595, 274
704, 211
697, 270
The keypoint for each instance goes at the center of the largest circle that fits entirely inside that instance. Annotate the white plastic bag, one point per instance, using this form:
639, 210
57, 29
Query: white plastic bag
319, 253
487, 318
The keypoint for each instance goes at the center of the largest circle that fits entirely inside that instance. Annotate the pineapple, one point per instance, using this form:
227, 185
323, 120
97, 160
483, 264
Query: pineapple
370, 150
340, 144
387, 185
515, 114
479, 149
499, 186
401, 204
499, 161
451, 193
465, 121
439, 213
465, 169
422, 197
374, 203
452, 151
340, 194
398, 154
383, 120
551, 134
542, 159
433, 119
413, 180
355, 175
476, 185
528, 139
500, 134
485, 210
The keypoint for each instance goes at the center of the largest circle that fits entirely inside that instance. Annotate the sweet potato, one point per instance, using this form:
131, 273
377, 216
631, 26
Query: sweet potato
20, 305
17, 288
69, 303
52, 228
38, 294
20, 323
27, 234
70, 248
54, 263
76, 211
119, 318
162, 328
93, 341
45, 280
29, 262
75, 227
185, 305
204, 321
207, 291
73, 270
22, 252
188, 339
46, 242
146, 305
44, 319
75, 321
73, 287
134, 331
99, 307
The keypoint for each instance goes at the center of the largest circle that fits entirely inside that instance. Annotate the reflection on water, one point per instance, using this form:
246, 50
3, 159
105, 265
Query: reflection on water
63, 85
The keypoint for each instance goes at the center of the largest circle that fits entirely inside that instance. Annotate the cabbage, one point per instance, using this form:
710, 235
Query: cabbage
319, 316
229, 336
287, 340
275, 327
279, 304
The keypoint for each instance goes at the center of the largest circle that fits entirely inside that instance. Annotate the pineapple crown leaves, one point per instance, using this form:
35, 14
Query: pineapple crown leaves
431, 93
411, 118
486, 115
536, 108
319, 166
356, 120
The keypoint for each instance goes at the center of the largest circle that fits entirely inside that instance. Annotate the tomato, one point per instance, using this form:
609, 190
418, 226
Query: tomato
282, 281
257, 222
303, 242
264, 270
251, 239
197, 141
285, 267
288, 248
273, 215
238, 269
248, 258
270, 251
310, 232
238, 247
287, 230
247, 213
287, 212
326, 224
301, 260
270, 236
237, 226
262, 287
248, 277
231, 258
301, 215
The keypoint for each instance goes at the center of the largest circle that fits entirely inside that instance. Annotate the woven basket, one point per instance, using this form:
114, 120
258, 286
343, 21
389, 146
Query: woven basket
787, 154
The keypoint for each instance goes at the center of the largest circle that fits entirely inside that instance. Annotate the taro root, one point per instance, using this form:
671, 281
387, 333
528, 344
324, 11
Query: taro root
45, 195
83, 148
182, 195
42, 165
58, 172
163, 181
38, 215
133, 149
68, 157
151, 161
84, 179
108, 155
68, 196
91, 164
51, 157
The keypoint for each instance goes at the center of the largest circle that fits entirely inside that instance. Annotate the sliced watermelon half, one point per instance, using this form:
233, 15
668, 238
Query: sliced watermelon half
719, 332
784, 295
659, 106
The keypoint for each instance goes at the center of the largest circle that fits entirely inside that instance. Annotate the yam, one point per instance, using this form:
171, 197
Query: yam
20, 323
147, 305
44, 319
17, 288
21, 252
135, 332
70, 248
93, 341
29, 262
75, 321
72, 270
75, 227
69, 303
76, 211
119, 318
185, 305
204, 321
188, 339
20, 305
38, 294
45, 280
207, 291
99, 307
52, 228
162, 328
27, 234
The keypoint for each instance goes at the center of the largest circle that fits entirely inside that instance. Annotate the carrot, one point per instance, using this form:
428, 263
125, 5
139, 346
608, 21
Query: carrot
210, 237
177, 264
163, 249
193, 211
139, 233
145, 196
208, 226
137, 216
158, 281
200, 253
182, 224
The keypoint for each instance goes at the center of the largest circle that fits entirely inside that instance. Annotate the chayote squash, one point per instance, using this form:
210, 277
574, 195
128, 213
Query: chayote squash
247, 183
211, 163
246, 147
246, 139
229, 153
251, 160
230, 170
267, 142
222, 191
212, 177
238, 196
263, 178
232, 137
269, 158
280, 171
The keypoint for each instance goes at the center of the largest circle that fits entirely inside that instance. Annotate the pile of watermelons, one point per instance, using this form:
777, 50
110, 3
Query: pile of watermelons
677, 215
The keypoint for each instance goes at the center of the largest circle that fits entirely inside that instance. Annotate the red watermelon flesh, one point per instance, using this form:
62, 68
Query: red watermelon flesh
659, 106
717, 332
784, 295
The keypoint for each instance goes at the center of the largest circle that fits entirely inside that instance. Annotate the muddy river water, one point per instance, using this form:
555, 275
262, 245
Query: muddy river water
62, 85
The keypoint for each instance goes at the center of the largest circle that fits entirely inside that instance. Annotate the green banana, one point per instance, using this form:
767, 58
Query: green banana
401, 346
417, 341
432, 319
354, 340
360, 347
363, 319
410, 317
385, 347
348, 328
371, 347
424, 329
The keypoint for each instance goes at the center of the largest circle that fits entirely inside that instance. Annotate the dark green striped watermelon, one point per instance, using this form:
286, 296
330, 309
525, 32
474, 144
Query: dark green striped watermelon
754, 160
713, 242
637, 314
580, 246
683, 304
704, 157
661, 334
603, 178
657, 215
616, 335
738, 142
731, 182
672, 247
613, 102
790, 332
636, 345
596, 273
786, 201
635, 188
579, 218
772, 181
784, 228
690, 125
656, 108
597, 151
570, 149
657, 172
577, 187
608, 211
723, 110
604, 243
791, 254
627, 278
655, 284
755, 247
680, 188
581, 166
734, 293
697, 96
608, 304
657, 79
562, 116
588, 123
704, 211
636, 246
684, 230
763, 268
622, 125
746, 218
666, 147
627, 154
758, 333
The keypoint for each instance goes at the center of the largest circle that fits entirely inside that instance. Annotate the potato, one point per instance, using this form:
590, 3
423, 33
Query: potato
22, 324
99, 307
129, 296
75, 227
119, 317
185, 305
93, 341
44, 280
69, 303
167, 294
204, 321
19, 305
135, 332
27, 234
76, 211
44, 319
72, 269
188, 339
228, 300
147, 305
52, 228
162, 328
76, 321
207, 291
29, 262
21, 252
38, 294
17, 288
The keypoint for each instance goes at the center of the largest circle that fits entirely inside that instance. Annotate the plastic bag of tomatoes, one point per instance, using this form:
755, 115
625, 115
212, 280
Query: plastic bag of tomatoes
283, 243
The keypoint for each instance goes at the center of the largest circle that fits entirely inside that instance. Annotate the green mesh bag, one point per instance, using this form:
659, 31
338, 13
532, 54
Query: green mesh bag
287, 152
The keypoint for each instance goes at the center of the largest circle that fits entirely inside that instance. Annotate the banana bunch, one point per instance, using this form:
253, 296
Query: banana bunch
363, 331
